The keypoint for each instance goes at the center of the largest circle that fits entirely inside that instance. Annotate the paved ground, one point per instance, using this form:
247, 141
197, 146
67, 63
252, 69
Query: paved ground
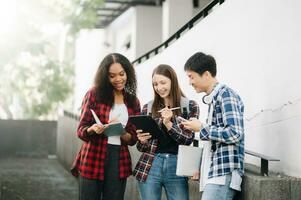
35, 179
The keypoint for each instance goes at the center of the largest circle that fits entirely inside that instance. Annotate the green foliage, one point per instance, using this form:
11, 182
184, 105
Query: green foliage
83, 15
38, 83
30, 70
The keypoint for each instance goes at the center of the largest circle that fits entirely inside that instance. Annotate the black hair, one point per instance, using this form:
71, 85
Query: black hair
104, 88
200, 63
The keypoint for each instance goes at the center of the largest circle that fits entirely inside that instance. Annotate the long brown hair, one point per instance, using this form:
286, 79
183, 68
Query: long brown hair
104, 89
175, 90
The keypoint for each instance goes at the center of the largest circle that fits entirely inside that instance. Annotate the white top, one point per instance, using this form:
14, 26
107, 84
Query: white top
121, 111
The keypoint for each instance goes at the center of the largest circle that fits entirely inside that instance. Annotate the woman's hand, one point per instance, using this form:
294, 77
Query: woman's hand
143, 137
97, 128
166, 115
126, 137
192, 124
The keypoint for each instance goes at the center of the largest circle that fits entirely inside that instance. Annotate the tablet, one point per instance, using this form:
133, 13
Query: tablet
147, 124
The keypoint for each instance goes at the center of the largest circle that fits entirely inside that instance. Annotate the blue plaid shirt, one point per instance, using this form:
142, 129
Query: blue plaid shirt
226, 133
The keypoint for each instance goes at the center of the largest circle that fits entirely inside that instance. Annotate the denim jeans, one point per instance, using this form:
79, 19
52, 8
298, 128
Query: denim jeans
163, 175
219, 192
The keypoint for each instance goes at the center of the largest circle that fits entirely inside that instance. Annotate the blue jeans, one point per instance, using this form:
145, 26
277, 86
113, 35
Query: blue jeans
219, 192
163, 174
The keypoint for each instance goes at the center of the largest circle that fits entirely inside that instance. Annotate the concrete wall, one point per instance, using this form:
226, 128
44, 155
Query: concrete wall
256, 45
68, 144
27, 137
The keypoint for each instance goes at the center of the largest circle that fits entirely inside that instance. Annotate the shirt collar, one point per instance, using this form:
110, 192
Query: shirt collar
208, 99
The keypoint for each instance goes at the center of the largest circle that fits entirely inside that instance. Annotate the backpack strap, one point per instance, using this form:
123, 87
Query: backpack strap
149, 107
184, 107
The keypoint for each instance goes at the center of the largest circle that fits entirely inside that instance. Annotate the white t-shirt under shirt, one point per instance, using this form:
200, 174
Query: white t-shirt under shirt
121, 111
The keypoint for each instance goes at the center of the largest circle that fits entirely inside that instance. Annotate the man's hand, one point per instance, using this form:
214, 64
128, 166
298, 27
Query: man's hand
192, 124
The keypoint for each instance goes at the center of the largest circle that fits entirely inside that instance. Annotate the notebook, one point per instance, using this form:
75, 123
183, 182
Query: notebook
112, 129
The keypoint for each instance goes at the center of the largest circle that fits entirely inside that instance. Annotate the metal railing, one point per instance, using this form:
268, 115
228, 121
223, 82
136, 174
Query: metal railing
202, 14
264, 164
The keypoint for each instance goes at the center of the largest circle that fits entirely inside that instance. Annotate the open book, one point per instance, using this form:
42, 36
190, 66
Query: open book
112, 129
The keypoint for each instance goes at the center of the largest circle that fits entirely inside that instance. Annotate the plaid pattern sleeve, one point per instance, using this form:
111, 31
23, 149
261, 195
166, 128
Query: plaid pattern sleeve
178, 132
86, 119
90, 160
146, 159
226, 134
229, 113
94, 146
145, 162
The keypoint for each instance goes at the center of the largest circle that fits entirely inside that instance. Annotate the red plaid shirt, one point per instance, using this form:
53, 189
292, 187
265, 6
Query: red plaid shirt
89, 162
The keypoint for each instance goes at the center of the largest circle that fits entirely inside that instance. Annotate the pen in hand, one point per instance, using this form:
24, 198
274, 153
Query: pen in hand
175, 108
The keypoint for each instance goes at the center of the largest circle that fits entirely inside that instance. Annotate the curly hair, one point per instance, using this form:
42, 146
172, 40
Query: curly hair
104, 88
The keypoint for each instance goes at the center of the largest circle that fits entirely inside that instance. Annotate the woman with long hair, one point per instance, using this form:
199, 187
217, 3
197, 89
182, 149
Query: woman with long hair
104, 163
156, 168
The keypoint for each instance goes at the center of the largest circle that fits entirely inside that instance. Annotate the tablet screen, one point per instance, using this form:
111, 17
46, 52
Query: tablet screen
147, 124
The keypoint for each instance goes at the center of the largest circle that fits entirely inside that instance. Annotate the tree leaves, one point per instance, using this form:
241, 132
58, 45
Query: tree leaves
34, 83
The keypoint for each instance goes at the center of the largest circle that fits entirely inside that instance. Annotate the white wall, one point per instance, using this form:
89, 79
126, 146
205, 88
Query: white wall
120, 30
142, 25
175, 14
257, 47
89, 51
148, 28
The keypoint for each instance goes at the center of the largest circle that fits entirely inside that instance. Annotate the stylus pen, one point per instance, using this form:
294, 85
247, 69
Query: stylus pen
175, 108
